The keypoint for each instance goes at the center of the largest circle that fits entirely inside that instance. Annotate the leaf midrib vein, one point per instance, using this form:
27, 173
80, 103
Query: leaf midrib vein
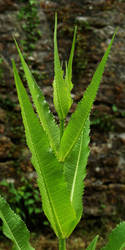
49, 198
11, 232
76, 171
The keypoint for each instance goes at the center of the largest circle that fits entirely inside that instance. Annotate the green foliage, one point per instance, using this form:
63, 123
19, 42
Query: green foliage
116, 238
75, 170
59, 155
62, 86
24, 199
92, 245
14, 228
78, 119
60, 214
42, 107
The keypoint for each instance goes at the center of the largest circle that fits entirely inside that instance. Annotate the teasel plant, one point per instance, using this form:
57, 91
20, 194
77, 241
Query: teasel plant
59, 152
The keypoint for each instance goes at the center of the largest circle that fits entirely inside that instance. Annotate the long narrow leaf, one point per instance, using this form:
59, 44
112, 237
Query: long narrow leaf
79, 117
42, 107
71, 60
55, 198
75, 170
116, 238
14, 228
68, 74
92, 245
62, 97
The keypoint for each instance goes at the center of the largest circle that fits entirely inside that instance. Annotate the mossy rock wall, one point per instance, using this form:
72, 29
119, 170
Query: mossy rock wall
96, 20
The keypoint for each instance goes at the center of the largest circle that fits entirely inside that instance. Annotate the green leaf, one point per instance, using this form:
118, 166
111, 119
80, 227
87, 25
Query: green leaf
29, 202
37, 210
30, 210
79, 117
53, 189
69, 70
42, 107
116, 238
68, 75
62, 87
75, 170
92, 245
4, 183
13, 227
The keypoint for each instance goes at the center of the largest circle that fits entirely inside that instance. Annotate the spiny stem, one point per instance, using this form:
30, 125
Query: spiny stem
61, 128
62, 244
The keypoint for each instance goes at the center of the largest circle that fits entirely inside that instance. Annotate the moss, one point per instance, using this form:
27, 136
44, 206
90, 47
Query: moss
29, 14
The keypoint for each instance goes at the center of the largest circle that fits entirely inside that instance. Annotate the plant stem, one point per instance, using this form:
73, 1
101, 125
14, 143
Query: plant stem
61, 128
62, 244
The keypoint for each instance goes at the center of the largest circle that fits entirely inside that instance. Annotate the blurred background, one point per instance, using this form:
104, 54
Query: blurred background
31, 22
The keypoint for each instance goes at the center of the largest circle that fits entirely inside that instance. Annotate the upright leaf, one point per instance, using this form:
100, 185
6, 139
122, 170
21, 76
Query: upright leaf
42, 107
69, 70
14, 228
116, 238
62, 97
92, 245
55, 198
75, 170
79, 117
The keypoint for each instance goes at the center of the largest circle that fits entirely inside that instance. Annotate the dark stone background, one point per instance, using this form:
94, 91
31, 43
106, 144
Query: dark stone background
104, 196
